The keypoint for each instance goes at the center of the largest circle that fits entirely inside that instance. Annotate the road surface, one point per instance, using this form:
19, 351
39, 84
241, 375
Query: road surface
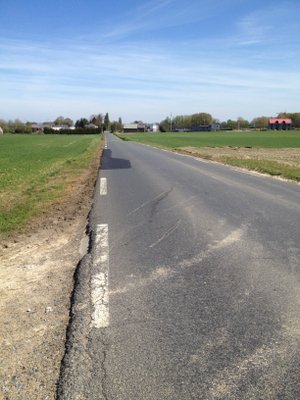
190, 289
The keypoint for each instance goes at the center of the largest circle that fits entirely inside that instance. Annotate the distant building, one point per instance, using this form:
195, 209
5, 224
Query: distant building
206, 128
92, 126
40, 127
280, 124
37, 127
134, 128
153, 127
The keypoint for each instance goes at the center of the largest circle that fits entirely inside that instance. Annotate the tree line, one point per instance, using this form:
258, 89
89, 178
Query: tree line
98, 121
187, 122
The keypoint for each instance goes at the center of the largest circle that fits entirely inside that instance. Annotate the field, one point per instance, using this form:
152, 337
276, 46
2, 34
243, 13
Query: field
267, 139
275, 153
38, 171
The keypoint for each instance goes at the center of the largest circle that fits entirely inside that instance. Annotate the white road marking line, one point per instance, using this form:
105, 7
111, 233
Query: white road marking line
103, 186
99, 282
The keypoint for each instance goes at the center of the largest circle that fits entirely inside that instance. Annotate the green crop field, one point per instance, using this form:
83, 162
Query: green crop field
275, 153
264, 139
36, 170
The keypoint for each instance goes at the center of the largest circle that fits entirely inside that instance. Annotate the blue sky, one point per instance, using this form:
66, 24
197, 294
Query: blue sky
146, 59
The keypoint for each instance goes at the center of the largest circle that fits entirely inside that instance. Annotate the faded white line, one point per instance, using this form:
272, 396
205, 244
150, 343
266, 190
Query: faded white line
99, 281
103, 187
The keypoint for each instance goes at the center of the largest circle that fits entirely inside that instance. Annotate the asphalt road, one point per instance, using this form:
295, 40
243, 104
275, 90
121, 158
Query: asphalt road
191, 286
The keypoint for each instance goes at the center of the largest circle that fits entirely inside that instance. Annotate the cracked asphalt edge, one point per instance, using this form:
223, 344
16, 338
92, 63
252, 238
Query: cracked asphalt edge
76, 367
76, 364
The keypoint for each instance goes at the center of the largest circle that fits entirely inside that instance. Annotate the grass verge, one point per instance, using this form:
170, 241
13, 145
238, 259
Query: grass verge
38, 171
273, 168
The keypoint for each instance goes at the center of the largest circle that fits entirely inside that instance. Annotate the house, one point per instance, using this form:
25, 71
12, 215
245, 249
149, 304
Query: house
40, 127
279, 124
37, 127
206, 128
153, 127
134, 128
92, 126
62, 127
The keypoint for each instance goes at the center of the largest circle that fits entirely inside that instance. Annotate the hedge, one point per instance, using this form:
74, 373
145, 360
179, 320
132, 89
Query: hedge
77, 131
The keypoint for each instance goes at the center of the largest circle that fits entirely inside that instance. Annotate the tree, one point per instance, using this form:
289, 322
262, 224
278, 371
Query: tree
17, 126
182, 122
81, 123
231, 124
60, 121
242, 123
165, 125
201, 119
68, 122
295, 117
186, 122
116, 126
106, 122
97, 119
260, 122
4, 125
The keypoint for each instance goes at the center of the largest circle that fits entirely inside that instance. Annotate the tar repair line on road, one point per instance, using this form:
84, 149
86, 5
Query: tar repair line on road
99, 282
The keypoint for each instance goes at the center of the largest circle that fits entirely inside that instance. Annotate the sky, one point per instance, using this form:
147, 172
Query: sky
148, 59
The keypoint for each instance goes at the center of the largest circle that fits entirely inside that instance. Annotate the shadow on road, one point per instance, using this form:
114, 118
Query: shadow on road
108, 162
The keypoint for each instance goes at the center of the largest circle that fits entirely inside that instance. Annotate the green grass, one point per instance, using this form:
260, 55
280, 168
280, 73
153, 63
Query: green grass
266, 166
265, 139
35, 171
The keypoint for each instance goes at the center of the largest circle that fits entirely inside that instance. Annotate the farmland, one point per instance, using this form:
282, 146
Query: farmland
38, 171
275, 153
267, 139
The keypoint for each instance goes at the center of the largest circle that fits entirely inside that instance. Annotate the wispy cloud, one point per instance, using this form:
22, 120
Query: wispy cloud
252, 31
151, 64
269, 24
162, 14
144, 17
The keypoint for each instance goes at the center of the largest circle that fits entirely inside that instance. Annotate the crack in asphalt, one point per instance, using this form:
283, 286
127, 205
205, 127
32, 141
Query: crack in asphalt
104, 350
166, 234
157, 202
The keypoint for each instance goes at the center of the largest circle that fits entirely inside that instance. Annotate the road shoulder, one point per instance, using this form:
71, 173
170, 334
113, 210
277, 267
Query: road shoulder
36, 285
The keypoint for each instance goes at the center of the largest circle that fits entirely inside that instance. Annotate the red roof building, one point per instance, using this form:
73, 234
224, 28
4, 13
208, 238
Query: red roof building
280, 124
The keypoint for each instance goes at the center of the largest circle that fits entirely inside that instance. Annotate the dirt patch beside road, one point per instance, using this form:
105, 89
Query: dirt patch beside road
286, 156
36, 282
283, 162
